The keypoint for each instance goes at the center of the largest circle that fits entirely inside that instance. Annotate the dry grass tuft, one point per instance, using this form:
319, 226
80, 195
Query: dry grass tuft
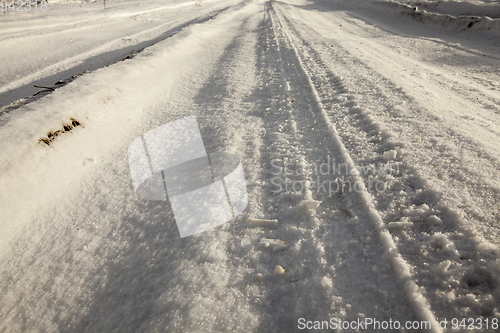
53, 134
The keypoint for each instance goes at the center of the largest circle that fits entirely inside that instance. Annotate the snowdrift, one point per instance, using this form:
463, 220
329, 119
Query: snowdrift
461, 15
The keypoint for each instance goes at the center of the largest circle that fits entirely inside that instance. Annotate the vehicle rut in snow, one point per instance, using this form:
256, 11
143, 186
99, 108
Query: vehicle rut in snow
338, 242
439, 249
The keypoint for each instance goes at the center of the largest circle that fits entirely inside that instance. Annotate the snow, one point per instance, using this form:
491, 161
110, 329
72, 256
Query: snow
474, 15
390, 154
309, 204
401, 98
459, 8
68, 39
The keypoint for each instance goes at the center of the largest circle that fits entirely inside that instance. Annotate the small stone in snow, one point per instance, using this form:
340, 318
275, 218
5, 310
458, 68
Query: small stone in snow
279, 271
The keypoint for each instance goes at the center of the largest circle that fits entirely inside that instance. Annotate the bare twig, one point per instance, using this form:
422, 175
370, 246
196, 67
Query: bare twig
49, 88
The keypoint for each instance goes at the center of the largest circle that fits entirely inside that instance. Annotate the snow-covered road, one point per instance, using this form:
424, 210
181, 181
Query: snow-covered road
390, 119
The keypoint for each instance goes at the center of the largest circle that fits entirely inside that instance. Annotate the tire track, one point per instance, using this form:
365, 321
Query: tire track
447, 254
401, 269
327, 247
114, 262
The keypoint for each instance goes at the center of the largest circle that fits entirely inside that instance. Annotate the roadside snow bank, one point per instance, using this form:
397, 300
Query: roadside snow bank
458, 14
460, 8
110, 105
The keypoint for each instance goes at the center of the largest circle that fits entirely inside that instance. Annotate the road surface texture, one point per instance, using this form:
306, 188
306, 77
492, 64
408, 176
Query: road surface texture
388, 113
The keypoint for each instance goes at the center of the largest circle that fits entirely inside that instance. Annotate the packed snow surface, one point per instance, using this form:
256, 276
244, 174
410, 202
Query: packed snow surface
368, 131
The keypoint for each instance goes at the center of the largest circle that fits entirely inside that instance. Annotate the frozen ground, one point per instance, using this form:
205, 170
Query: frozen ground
406, 93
